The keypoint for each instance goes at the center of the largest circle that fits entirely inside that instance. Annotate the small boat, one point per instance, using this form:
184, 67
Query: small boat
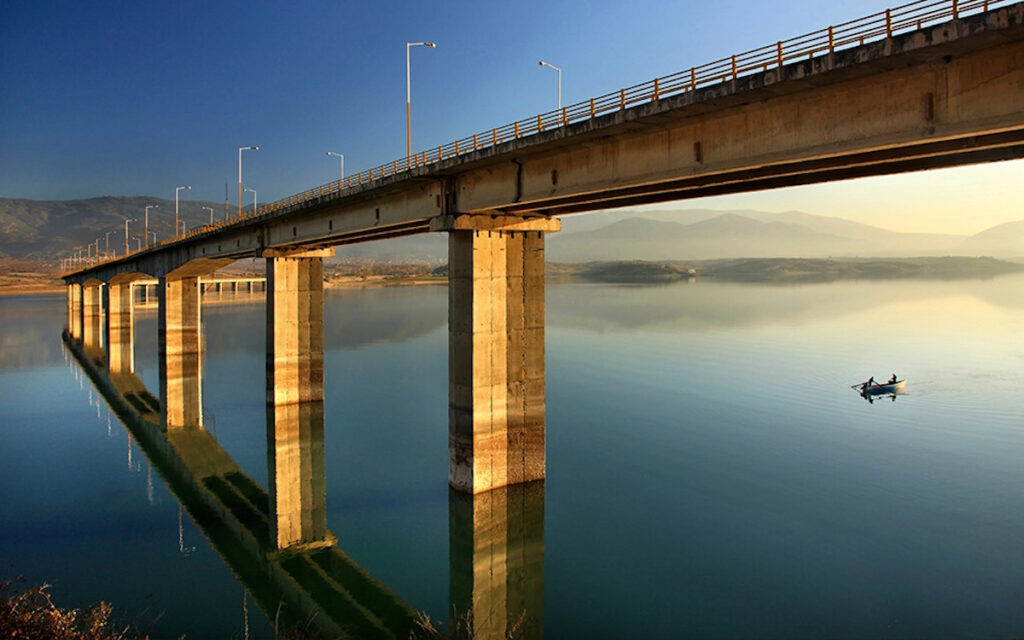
875, 388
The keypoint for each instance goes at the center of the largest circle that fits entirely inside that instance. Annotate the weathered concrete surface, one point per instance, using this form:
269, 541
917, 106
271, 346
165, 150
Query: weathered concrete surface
120, 344
496, 549
180, 352
295, 394
495, 358
942, 96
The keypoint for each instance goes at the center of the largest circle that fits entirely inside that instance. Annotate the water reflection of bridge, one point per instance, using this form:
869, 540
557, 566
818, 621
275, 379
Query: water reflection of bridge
277, 542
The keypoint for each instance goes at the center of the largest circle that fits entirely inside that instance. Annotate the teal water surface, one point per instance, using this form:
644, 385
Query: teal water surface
710, 472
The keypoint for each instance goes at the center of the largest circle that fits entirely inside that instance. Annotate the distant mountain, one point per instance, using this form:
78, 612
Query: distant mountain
742, 233
726, 236
49, 230
1006, 240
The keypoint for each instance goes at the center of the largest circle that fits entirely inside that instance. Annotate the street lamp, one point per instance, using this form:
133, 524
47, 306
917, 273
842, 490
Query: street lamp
342, 159
548, 64
240, 150
127, 249
408, 98
253, 199
146, 226
107, 247
152, 233
210, 209
176, 190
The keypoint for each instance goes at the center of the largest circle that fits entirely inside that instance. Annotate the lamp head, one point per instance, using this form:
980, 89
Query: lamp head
430, 44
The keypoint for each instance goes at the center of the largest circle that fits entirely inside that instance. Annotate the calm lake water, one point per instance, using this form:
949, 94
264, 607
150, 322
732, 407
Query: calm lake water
710, 471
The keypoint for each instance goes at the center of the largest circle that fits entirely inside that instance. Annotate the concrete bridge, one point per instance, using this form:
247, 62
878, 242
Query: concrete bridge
936, 83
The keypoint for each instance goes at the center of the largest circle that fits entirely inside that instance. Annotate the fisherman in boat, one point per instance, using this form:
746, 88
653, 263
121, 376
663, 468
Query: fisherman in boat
892, 380
870, 383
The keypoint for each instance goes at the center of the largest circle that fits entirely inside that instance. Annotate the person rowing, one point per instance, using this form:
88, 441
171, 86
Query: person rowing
892, 380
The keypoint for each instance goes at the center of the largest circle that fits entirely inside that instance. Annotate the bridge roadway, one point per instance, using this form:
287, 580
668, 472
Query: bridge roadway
938, 96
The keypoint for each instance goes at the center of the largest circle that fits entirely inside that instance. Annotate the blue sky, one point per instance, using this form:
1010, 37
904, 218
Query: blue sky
130, 98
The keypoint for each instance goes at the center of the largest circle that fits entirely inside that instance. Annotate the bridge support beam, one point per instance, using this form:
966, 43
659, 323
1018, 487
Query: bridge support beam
496, 547
495, 350
295, 401
120, 345
75, 311
92, 314
181, 403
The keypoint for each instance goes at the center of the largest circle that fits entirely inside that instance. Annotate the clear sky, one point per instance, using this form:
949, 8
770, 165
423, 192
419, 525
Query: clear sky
137, 97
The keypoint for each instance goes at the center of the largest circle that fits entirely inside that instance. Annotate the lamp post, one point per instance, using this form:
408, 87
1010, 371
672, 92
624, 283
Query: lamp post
341, 158
127, 249
146, 225
176, 190
210, 209
408, 98
152, 233
253, 199
548, 64
107, 247
240, 150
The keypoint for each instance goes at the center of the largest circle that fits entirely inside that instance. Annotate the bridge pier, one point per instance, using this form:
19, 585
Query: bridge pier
180, 352
495, 350
75, 311
120, 345
496, 550
295, 400
92, 312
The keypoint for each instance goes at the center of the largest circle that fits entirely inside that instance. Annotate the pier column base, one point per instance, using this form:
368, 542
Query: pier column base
120, 345
181, 403
495, 351
75, 311
295, 395
92, 315
496, 546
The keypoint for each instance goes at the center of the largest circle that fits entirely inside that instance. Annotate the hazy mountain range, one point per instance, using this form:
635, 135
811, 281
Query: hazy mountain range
52, 229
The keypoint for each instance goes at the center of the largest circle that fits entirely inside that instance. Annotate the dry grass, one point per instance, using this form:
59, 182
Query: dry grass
29, 612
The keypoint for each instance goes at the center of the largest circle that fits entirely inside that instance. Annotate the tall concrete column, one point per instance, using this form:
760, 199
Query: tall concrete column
495, 350
496, 552
295, 400
120, 340
92, 310
180, 338
75, 311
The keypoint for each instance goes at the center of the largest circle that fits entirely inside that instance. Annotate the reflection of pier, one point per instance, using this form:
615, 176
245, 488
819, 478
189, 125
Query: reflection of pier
277, 543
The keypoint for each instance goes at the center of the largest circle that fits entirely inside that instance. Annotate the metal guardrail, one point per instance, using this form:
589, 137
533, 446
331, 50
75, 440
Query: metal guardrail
878, 26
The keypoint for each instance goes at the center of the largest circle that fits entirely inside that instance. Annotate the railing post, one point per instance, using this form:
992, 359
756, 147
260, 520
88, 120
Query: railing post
622, 98
778, 53
540, 122
474, 142
693, 78
657, 90
565, 116
591, 107
831, 40
734, 67
956, 10
457, 145
888, 23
